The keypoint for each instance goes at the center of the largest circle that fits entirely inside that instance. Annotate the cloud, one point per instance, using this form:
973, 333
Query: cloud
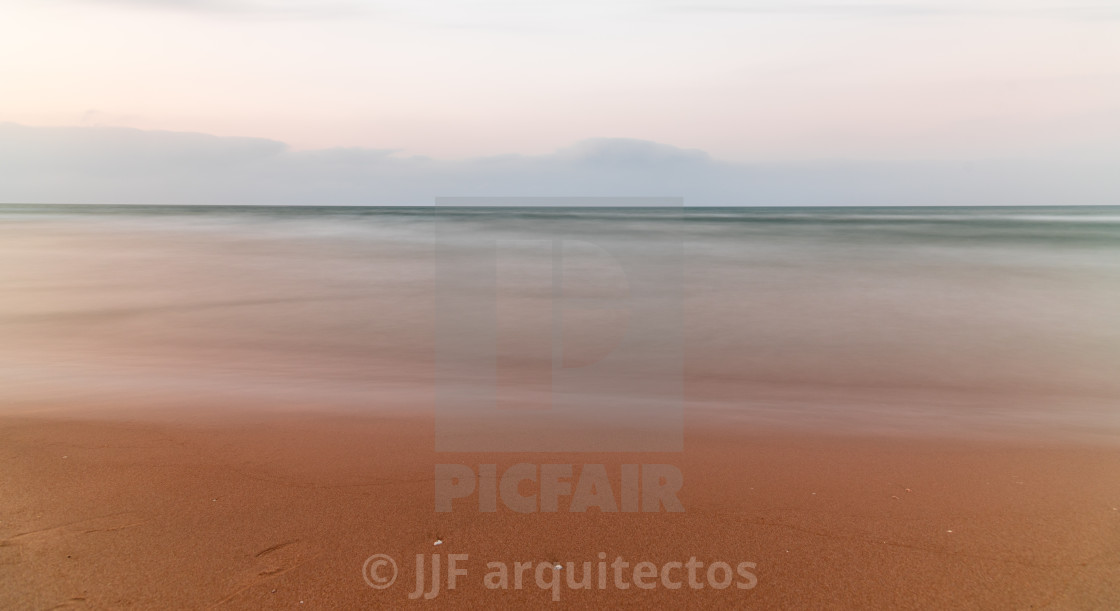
818, 8
129, 166
1098, 9
302, 9
441, 10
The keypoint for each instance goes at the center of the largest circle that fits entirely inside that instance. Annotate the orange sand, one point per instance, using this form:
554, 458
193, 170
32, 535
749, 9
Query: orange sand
282, 512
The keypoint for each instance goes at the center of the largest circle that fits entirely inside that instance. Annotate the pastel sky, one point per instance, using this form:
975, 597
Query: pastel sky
790, 83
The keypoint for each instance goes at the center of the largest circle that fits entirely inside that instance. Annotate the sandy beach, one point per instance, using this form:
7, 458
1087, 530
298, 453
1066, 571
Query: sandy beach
237, 409
283, 511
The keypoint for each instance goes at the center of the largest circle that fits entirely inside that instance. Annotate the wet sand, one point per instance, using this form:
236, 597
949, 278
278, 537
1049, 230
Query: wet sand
282, 511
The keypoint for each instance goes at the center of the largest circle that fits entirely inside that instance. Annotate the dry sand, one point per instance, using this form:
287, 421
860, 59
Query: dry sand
282, 511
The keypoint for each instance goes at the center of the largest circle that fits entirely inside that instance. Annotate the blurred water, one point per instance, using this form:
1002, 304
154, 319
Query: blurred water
953, 321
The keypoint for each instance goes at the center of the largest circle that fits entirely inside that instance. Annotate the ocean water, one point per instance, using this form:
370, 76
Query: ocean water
940, 321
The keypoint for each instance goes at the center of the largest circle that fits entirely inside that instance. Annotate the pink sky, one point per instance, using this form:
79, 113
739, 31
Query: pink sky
748, 81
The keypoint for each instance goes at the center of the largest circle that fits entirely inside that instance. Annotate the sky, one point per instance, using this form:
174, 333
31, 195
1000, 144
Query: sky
722, 101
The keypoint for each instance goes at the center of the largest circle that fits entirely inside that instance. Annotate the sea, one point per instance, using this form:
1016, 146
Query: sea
901, 321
